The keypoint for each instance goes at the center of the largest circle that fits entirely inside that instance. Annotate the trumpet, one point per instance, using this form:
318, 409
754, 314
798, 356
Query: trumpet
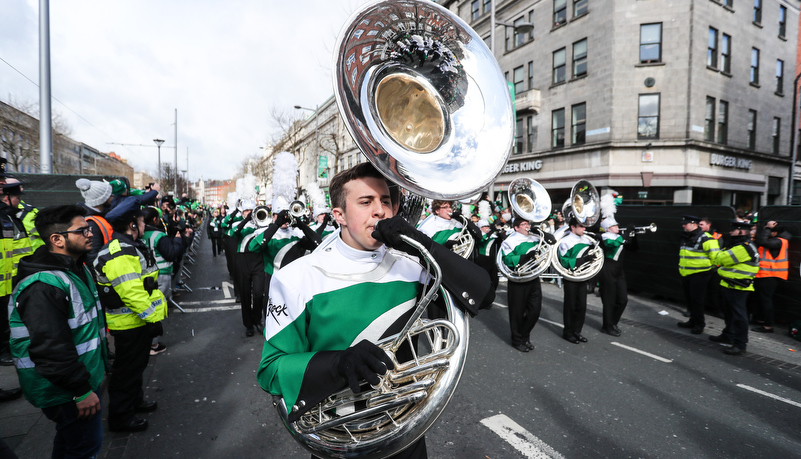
643, 229
261, 216
297, 210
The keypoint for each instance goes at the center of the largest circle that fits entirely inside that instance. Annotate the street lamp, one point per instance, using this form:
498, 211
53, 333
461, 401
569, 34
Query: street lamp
523, 28
316, 124
186, 181
158, 144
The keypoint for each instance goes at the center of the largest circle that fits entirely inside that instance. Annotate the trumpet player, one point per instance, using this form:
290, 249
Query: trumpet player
249, 271
573, 252
322, 224
525, 298
614, 294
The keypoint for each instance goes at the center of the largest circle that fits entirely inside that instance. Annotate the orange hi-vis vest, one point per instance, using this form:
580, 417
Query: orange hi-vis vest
774, 267
104, 225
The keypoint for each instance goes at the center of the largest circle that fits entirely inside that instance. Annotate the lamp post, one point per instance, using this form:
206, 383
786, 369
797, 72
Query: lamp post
524, 27
158, 144
316, 124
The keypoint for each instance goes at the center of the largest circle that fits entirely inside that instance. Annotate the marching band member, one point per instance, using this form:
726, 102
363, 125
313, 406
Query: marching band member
572, 252
525, 298
228, 226
328, 309
445, 224
322, 224
249, 270
738, 268
488, 249
614, 293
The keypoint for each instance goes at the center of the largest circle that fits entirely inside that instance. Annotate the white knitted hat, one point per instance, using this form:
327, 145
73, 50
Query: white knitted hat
94, 193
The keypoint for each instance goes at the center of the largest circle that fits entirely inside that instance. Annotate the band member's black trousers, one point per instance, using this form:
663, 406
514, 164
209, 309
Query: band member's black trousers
575, 306
229, 244
695, 294
765, 288
251, 275
132, 349
525, 305
613, 291
216, 246
736, 316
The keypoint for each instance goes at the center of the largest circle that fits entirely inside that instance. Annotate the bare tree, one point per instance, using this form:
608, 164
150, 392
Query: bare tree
19, 134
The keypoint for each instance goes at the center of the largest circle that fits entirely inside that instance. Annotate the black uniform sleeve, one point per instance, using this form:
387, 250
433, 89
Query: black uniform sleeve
468, 283
171, 248
44, 310
310, 239
319, 381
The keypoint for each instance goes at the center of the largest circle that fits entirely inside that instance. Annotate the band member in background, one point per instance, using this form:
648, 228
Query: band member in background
327, 310
696, 260
738, 268
249, 270
215, 233
488, 250
573, 253
229, 223
322, 224
445, 224
773, 243
614, 293
525, 298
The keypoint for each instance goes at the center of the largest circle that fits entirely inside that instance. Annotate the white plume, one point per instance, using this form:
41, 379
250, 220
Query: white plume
285, 174
232, 198
608, 207
316, 196
268, 193
246, 187
484, 210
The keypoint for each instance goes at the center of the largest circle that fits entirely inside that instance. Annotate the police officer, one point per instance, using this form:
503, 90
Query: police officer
738, 268
696, 260
14, 244
126, 273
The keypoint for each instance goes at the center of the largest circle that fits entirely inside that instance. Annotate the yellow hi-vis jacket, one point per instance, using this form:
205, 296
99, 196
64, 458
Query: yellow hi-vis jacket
739, 266
697, 254
127, 285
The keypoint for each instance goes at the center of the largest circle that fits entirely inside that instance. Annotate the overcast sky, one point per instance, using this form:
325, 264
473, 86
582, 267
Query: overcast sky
122, 67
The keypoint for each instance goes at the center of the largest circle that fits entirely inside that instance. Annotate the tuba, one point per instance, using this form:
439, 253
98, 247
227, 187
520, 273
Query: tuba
464, 241
584, 205
261, 216
425, 101
529, 200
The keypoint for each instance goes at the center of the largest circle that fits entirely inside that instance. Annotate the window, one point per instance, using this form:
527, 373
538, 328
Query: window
487, 6
754, 66
531, 21
712, 48
752, 123
558, 128
779, 76
723, 122
350, 161
530, 74
559, 66
776, 134
474, 12
709, 119
531, 136
579, 7
520, 39
757, 11
729, 3
519, 136
580, 58
648, 118
782, 20
579, 126
725, 53
488, 41
519, 75
559, 12
650, 43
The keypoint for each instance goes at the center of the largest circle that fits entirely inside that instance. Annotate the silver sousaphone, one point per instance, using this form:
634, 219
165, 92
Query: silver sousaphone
427, 104
530, 201
584, 205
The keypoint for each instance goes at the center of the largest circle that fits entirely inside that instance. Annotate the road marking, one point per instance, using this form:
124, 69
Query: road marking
768, 394
648, 354
226, 286
502, 306
195, 303
552, 322
214, 308
520, 438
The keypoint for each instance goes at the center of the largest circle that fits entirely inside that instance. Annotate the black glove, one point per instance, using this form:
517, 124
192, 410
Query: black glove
580, 261
366, 361
389, 232
326, 219
456, 215
282, 218
156, 329
528, 256
450, 244
550, 239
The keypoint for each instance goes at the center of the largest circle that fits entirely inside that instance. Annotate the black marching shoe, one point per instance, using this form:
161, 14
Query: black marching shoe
10, 394
146, 407
732, 350
132, 425
250, 332
721, 339
571, 338
762, 329
697, 330
6, 360
610, 331
529, 346
521, 347
580, 337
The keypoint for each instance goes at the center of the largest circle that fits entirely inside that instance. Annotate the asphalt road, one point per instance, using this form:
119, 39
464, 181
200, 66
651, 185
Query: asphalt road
656, 391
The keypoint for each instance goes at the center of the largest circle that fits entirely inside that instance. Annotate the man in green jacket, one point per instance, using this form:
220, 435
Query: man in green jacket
738, 268
58, 337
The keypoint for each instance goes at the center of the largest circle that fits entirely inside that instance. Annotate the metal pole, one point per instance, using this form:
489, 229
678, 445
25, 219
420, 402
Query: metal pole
793, 141
316, 139
158, 143
45, 129
176, 152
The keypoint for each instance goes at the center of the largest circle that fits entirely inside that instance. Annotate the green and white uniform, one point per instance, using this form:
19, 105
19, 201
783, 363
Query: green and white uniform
612, 244
439, 229
276, 248
517, 245
572, 247
329, 301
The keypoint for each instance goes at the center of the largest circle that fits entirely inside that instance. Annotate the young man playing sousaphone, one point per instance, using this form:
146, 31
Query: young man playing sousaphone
328, 309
